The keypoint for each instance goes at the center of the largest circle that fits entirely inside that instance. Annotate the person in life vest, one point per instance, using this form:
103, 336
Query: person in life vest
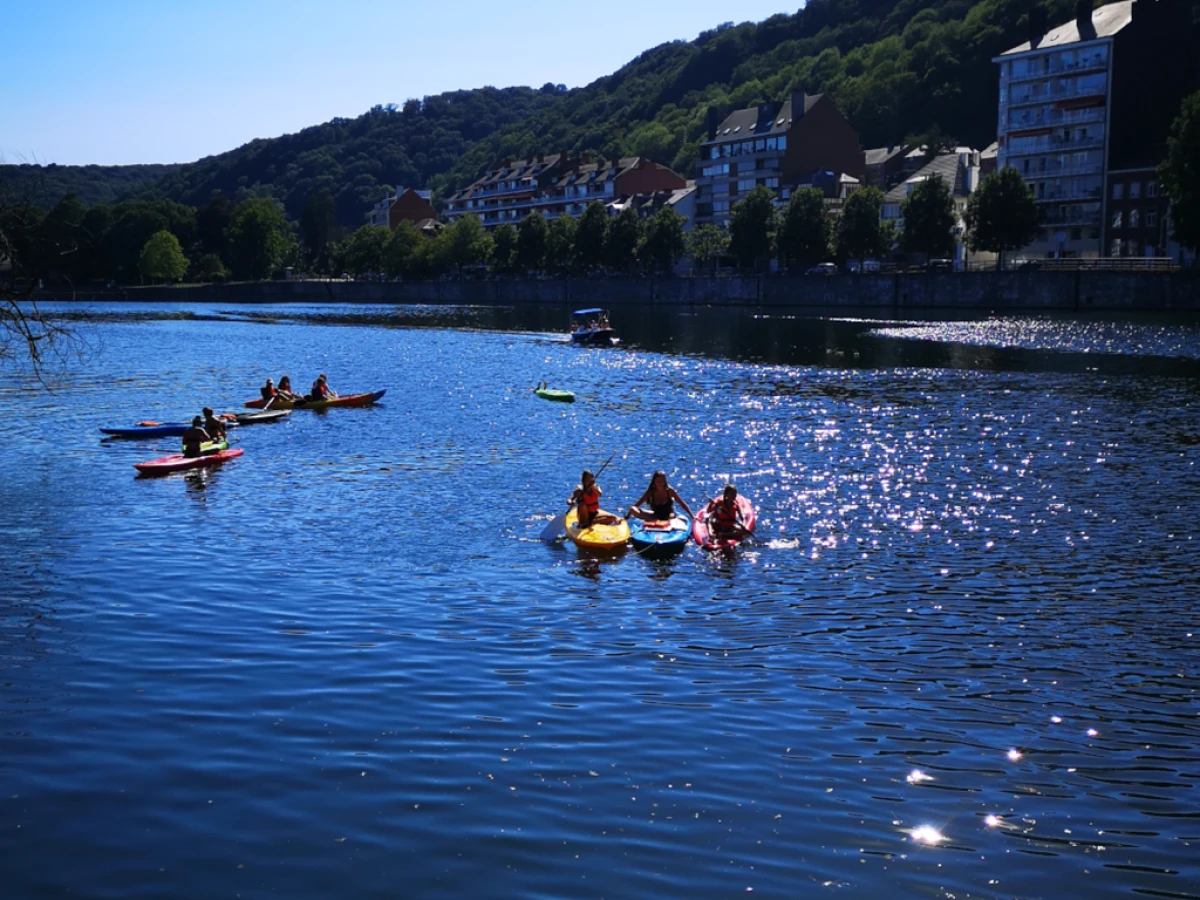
214, 426
725, 516
321, 390
586, 500
285, 389
268, 391
194, 437
657, 504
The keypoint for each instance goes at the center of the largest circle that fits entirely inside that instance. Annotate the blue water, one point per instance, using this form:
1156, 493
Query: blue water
343, 664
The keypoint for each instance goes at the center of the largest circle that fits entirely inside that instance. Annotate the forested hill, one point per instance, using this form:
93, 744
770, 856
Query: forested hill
46, 185
894, 68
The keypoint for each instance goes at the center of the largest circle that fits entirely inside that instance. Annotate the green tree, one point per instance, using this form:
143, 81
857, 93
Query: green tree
207, 267
1180, 173
531, 242
401, 250
362, 252
666, 239
590, 236
752, 227
560, 243
470, 244
318, 223
707, 243
504, 247
1001, 214
929, 220
806, 231
860, 234
259, 238
624, 240
162, 258
212, 221
60, 238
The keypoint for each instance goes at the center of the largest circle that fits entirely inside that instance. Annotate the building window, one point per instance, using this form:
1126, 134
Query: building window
745, 185
772, 183
772, 143
1115, 248
783, 142
1135, 190
1135, 219
1151, 219
1118, 190
1151, 188
1116, 220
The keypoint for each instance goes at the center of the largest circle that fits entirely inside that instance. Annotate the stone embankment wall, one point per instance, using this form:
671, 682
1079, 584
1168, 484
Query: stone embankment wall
980, 291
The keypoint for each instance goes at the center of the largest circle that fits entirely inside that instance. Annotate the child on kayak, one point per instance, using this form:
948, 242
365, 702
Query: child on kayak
586, 500
661, 498
725, 515
214, 426
285, 389
194, 437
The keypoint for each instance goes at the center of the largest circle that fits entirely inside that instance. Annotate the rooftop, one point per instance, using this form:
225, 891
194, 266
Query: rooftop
769, 118
947, 166
1106, 21
881, 155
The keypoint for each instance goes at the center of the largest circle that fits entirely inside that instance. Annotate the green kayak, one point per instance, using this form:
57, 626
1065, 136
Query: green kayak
551, 394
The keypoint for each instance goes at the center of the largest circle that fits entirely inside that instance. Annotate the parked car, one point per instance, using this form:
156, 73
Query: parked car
865, 265
940, 265
825, 268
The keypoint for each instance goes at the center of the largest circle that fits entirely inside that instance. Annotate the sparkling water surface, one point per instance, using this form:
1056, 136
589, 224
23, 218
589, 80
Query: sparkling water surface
961, 659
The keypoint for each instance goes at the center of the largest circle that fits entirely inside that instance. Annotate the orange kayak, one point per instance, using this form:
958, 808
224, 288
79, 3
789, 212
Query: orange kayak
347, 400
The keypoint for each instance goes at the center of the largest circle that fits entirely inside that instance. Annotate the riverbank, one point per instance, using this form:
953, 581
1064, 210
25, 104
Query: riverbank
979, 291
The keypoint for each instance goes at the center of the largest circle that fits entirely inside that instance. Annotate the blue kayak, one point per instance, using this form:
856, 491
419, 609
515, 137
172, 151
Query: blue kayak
664, 536
175, 429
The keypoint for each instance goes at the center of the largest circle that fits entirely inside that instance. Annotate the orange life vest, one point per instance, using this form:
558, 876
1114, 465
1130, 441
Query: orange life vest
591, 500
725, 519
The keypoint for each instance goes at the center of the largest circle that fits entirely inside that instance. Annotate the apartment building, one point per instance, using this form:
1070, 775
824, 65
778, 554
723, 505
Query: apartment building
1087, 98
406, 205
774, 145
556, 185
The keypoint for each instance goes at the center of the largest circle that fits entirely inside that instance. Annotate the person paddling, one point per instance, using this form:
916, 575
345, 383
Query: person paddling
268, 392
214, 426
321, 389
194, 437
285, 389
725, 515
660, 498
586, 500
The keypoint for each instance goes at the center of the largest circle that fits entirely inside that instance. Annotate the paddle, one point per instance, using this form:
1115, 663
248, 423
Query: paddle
551, 532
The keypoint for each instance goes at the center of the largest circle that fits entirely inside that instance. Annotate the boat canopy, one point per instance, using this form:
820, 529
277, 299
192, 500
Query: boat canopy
588, 312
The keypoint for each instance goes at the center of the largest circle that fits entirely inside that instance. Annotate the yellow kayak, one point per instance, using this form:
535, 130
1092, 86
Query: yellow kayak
597, 537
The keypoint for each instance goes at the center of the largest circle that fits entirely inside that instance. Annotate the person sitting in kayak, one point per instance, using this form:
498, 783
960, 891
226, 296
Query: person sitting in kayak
661, 498
285, 389
214, 426
725, 516
586, 500
321, 389
194, 437
268, 391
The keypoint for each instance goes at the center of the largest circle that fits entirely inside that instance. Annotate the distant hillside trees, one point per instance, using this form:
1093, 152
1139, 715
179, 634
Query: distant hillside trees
259, 240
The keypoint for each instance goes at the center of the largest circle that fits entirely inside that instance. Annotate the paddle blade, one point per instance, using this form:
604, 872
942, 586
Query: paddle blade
551, 532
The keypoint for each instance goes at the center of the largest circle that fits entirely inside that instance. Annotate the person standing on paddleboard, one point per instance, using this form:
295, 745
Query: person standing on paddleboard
586, 500
661, 498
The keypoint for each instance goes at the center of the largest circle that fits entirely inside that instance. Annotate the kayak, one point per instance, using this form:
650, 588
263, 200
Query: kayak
180, 463
661, 535
347, 400
175, 429
551, 394
258, 418
597, 537
702, 532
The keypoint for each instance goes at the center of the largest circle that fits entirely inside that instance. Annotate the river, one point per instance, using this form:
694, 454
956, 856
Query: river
961, 659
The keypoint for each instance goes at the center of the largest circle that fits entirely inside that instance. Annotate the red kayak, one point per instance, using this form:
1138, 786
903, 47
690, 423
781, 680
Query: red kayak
180, 463
703, 535
347, 400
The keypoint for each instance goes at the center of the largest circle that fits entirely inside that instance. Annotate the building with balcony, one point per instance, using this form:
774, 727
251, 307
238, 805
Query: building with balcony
556, 185
961, 171
775, 145
1091, 97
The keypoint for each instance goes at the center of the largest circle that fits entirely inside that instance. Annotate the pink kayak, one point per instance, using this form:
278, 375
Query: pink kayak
702, 531
179, 463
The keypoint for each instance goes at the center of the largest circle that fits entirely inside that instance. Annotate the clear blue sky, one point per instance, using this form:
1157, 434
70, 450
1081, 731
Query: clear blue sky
128, 81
